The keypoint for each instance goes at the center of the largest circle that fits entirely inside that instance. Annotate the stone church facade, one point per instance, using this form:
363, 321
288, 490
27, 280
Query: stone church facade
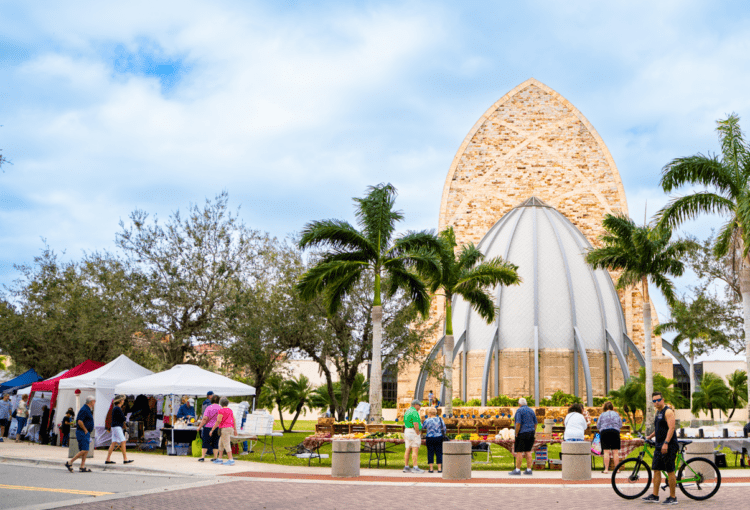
533, 142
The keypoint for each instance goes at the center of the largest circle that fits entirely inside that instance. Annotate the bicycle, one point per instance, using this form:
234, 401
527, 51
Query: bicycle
697, 478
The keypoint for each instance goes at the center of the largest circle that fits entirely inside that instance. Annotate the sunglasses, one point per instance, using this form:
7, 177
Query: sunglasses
657, 400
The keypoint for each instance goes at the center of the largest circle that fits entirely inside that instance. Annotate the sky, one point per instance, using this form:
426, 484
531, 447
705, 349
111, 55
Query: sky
294, 108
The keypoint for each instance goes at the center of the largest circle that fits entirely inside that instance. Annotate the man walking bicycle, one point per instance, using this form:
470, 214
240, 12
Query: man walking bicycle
666, 449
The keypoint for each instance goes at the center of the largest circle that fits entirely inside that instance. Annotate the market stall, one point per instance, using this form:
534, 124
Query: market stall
99, 383
22, 381
184, 380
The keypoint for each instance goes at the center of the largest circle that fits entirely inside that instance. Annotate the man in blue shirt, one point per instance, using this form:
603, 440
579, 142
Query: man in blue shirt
84, 426
525, 433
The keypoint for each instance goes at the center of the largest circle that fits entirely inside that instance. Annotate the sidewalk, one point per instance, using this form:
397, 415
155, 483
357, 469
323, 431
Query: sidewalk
11, 452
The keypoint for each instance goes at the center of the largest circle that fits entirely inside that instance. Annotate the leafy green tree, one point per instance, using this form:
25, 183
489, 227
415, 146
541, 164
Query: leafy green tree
737, 382
351, 253
713, 394
190, 265
641, 254
696, 323
469, 275
728, 181
631, 396
61, 313
297, 393
274, 396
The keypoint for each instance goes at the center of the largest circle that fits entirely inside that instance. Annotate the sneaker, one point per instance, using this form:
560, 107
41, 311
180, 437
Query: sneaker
528, 472
407, 469
670, 501
2, 440
217, 461
229, 463
651, 499
515, 472
415, 469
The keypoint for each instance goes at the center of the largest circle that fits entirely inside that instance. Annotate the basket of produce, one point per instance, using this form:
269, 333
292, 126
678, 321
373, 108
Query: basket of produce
392, 429
375, 428
325, 421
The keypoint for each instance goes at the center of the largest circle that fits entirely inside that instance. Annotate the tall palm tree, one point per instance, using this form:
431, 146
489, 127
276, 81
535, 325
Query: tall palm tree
643, 254
728, 180
713, 394
695, 323
374, 248
737, 382
468, 275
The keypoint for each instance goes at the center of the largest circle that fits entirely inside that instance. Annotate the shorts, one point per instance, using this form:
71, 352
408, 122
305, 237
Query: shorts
118, 436
84, 440
610, 439
665, 461
4, 423
524, 442
412, 439
225, 442
210, 442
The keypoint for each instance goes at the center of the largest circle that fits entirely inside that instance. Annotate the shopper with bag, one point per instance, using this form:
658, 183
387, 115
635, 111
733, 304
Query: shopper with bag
435, 428
210, 440
225, 423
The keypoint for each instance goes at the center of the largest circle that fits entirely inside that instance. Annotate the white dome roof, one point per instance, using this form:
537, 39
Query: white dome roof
560, 292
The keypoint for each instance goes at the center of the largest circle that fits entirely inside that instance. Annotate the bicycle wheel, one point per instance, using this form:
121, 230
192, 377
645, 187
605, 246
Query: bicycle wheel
699, 478
631, 478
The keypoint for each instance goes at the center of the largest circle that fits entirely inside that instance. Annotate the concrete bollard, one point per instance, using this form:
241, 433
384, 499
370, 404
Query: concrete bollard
548, 424
576, 460
73, 445
345, 461
457, 460
700, 449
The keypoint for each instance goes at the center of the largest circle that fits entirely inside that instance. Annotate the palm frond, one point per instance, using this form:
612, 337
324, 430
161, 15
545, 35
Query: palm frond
376, 215
412, 241
688, 207
666, 287
699, 169
316, 279
733, 145
401, 278
335, 234
725, 238
340, 286
424, 262
468, 256
481, 301
488, 274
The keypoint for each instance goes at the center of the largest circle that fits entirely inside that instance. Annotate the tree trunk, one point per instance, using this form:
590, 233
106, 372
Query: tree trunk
649, 418
692, 374
376, 368
448, 374
281, 414
745, 289
448, 357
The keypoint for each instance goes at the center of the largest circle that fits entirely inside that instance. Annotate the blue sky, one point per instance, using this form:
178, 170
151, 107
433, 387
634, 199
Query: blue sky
295, 107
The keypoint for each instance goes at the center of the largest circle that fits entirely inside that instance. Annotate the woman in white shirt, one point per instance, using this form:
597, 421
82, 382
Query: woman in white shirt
575, 424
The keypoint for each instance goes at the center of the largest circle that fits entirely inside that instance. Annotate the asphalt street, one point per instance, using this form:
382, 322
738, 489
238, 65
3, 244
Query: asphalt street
23, 486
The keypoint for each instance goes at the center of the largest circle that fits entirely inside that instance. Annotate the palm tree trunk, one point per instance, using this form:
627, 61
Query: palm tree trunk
745, 290
692, 374
649, 418
447, 358
376, 368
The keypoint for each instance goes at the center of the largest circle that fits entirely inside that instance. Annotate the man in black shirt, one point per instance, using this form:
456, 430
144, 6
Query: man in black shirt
666, 449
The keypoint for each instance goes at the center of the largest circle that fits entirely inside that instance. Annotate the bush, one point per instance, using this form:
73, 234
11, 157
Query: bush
502, 401
387, 404
474, 402
599, 401
457, 402
561, 399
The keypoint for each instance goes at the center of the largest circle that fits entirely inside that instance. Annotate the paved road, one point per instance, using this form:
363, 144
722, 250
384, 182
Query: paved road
46, 487
328, 496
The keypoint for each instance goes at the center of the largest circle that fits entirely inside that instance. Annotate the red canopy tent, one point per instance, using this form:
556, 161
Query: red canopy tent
51, 385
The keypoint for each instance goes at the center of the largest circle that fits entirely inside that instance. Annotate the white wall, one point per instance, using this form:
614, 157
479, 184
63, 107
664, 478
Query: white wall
723, 368
388, 415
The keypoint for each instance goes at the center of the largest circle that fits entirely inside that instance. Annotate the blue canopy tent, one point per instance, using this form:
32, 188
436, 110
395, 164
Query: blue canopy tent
26, 379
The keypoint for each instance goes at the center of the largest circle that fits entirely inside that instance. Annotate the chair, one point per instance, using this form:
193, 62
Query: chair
482, 447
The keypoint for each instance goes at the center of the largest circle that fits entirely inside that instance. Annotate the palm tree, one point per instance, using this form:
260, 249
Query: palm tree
728, 180
694, 322
713, 394
320, 399
296, 394
273, 396
643, 254
468, 275
737, 382
353, 252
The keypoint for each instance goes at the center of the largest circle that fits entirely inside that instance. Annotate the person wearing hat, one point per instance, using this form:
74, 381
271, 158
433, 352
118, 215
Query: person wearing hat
186, 410
412, 436
206, 402
118, 433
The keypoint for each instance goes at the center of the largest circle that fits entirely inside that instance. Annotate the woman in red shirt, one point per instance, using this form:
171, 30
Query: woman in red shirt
225, 423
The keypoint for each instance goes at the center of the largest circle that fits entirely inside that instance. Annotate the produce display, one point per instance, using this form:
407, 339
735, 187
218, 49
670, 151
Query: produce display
369, 435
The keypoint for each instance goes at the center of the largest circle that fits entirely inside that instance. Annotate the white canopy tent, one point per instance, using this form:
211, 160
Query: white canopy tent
101, 384
185, 380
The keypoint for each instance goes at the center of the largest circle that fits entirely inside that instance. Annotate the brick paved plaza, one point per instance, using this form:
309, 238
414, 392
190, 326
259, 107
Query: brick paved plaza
338, 496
